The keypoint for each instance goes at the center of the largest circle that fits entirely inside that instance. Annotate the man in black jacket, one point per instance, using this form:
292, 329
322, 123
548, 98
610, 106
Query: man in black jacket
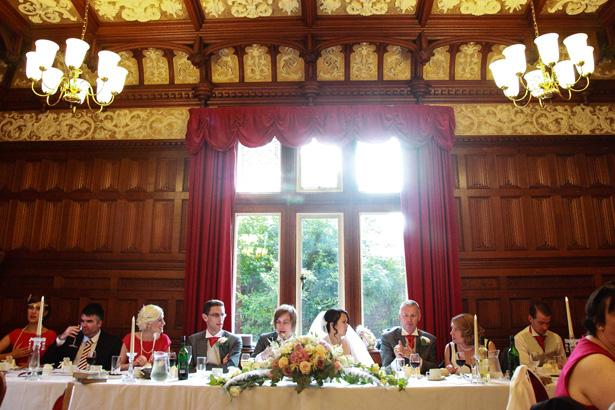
90, 338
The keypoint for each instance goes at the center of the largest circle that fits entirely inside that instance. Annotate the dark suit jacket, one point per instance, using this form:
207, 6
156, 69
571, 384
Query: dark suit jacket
264, 341
106, 347
232, 347
427, 350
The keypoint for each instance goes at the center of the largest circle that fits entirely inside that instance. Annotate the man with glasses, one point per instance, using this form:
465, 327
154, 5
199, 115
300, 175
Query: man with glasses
285, 323
219, 347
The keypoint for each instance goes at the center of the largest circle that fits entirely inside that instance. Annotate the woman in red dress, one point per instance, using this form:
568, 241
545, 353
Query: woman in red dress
19, 339
149, 339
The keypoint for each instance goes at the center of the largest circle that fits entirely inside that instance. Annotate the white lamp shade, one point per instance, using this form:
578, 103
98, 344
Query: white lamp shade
117, 80
587, 67
548, 48
75, 52
534, 79
502, 72
107, 61
564, 71
103, 92
51, 80
83, 87
515, 55
46, 51
33, 67
512, 89
576, 45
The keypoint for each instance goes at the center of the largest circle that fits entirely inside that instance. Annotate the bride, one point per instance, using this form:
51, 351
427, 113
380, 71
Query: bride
332, 327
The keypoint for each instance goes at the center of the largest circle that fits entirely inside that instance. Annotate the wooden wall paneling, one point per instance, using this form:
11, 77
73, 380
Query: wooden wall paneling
104, 232
455, 171
54, 175
545, 231
30, 176
489, 312
23, 225
83, 175
477, 171
186, 175
538, 171
481, 217
600, 170
574, 223
49, 226
604, 221
5, 206
165, 176
162, 225
507, 172
77, 228
513, 224
183, 226
460, 233
132, 235
567, 171
134, 178
519, 308
108, 175
7, 175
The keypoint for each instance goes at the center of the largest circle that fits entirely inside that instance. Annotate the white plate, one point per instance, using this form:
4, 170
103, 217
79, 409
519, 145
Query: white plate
436, 380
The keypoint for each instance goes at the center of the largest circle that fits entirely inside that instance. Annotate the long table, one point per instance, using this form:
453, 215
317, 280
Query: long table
452, 393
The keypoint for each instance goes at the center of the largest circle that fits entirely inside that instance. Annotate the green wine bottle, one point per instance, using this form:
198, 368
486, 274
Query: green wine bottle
182, 361
513, 356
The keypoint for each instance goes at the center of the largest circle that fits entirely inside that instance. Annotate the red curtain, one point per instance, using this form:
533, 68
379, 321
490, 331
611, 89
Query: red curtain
426, 135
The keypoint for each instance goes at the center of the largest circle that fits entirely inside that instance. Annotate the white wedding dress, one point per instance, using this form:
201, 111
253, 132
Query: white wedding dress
358, 351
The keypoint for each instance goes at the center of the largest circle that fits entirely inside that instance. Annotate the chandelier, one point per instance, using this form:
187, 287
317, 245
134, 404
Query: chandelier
551, 78
73, 89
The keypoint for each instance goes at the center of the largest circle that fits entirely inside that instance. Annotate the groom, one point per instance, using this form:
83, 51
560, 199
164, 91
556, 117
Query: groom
221, 348
402, 341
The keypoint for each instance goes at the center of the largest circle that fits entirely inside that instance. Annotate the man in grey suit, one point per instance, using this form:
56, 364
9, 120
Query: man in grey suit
221, 348
403, 340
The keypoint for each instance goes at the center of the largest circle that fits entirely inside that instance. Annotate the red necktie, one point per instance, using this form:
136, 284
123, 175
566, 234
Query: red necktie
410, 341
212, 341
541, 341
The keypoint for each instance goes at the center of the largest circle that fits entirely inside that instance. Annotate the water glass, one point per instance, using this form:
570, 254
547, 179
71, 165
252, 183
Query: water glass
116, 365
245, 360
399, 367
201, 366
535, 360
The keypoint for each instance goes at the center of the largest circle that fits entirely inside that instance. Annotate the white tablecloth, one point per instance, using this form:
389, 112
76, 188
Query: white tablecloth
451, 393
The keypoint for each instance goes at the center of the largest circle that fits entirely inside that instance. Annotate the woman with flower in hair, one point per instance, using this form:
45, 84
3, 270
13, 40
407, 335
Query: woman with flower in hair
19, 339
332, 327
151, 338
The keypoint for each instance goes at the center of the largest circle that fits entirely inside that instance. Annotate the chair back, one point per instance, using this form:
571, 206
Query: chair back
558, 403
525, 389
2, 387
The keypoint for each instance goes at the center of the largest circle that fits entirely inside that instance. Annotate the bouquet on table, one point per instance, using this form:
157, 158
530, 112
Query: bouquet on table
305, 359
366, 335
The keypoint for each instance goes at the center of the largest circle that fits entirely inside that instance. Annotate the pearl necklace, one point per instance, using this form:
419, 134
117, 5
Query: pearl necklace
153, 344
464, 349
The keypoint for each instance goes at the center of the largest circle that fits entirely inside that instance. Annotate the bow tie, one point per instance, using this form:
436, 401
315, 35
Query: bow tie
213, 340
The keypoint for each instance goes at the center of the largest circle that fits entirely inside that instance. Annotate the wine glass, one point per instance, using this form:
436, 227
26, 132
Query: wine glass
460, 360
172, 359
535, 359
415, 362
75, 337
91, 358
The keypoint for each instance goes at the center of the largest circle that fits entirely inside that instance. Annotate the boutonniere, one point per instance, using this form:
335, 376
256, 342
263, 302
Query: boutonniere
425, 341
222, 341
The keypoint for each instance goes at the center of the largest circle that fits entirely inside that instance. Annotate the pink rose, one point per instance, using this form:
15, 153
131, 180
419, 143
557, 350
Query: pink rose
320, 363
287, 371
338, 366
274, 364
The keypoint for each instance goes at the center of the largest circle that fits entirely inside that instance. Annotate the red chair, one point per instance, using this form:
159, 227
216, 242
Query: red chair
2, 387
63, 402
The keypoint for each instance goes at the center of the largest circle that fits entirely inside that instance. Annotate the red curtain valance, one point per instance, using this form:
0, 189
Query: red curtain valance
253, 127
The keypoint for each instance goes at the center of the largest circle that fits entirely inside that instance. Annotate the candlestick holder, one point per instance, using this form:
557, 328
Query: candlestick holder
129, 377
34, 365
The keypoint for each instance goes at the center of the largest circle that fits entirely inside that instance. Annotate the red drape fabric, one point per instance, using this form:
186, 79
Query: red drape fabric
426, 135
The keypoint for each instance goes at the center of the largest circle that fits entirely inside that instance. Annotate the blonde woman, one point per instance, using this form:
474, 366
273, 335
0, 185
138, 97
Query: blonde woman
150, 337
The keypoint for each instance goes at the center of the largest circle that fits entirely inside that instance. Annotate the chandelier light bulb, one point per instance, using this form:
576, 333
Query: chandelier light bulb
75, 52
564, 71
576, 45
33, 67
116, 82
503, 74
587, 66
103, 91
46, 51
548, 48
51, 80
515, 55
107, 62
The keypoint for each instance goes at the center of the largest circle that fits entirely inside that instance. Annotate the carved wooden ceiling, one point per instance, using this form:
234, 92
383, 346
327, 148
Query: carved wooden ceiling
279, 51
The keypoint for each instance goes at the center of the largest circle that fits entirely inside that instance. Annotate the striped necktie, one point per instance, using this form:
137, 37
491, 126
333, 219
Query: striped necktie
84, 355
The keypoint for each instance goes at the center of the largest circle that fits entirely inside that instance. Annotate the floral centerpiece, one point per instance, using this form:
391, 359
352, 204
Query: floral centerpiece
305, 359
366, 335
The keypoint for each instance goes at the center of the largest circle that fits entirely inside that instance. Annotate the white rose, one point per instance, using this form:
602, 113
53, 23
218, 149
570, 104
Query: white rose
222, 340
